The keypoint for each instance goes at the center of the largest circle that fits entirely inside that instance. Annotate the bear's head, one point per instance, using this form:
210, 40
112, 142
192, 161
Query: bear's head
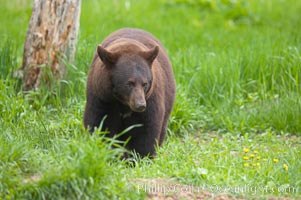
131, 75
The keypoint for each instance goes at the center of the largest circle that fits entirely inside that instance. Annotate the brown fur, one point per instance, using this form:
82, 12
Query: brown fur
150, 107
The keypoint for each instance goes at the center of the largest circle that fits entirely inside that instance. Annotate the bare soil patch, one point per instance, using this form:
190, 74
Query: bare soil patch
168, 189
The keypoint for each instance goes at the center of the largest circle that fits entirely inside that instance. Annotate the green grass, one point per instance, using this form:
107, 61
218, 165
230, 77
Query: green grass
237, 66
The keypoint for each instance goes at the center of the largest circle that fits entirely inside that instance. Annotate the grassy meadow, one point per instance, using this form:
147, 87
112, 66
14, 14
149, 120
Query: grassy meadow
235, 128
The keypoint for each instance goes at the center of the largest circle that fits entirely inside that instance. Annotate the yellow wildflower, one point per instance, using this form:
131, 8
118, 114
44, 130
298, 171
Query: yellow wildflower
246, 164
258, 157
285, 167
275, 160
245, 157
246, 150
252, 156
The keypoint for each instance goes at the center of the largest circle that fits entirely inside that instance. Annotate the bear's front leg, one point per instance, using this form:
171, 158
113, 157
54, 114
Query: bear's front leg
145, 139
94, 113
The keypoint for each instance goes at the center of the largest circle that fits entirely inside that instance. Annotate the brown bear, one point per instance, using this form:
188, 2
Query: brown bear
131, 82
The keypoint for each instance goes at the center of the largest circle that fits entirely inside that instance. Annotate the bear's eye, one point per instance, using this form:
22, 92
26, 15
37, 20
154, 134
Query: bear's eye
131, 84
144, 85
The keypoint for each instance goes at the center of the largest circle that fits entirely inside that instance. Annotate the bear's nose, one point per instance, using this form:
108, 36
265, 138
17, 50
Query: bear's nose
140, 106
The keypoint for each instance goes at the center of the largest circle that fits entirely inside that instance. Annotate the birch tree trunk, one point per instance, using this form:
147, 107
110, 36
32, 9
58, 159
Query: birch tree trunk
51, 37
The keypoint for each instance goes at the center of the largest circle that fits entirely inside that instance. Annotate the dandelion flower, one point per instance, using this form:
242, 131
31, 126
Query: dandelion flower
275, 160
258, 166
246, 164
258, 157
252, 156
285, 167
246, 150
246, 158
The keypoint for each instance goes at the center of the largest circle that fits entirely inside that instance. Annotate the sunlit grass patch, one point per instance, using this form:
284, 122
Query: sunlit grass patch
264, 160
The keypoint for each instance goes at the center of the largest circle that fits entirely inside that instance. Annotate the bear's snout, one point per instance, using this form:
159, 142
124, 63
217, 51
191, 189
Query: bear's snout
140, 106
137, 101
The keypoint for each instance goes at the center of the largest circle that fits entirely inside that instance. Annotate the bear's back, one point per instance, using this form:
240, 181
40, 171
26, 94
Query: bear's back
139, 35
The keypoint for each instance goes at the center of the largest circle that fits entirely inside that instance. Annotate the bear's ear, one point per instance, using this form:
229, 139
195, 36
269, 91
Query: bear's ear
106, 56
150, 55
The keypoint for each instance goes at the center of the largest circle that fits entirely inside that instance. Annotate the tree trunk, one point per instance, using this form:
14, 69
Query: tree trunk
51, 37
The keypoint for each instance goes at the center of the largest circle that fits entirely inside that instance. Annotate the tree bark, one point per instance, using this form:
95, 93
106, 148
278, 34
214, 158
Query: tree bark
51, 37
